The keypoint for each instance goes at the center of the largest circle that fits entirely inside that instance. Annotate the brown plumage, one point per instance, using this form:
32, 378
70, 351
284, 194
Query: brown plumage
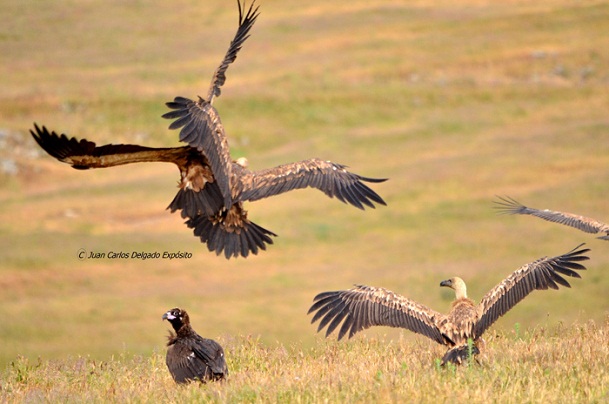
364, 306
507, 205
212, 186
191, 357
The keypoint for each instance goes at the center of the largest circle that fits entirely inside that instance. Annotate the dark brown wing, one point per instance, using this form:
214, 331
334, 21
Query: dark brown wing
196, 359
212, 354
199, 121
83, 154
330, 178
364, 306
507, 205
542, 274
203, 130
245, 24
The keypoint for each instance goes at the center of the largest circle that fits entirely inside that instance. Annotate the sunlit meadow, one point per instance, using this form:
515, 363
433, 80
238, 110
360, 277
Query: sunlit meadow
453, 102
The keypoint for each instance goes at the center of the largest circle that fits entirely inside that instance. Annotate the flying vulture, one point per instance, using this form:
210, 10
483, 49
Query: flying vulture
507, 205
213, 187
191, 357
364, 306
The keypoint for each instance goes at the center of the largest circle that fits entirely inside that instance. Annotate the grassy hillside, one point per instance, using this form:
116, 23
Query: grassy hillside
454, 103
538, 366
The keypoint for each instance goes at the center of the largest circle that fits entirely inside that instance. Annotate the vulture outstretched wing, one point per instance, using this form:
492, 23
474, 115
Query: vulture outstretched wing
245, 24
83, 154
331, 178
507, 205
199, 121
541, 274
364, 306
203, 130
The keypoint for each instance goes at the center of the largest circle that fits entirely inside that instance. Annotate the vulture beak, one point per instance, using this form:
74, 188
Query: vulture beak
168, 316
448, 283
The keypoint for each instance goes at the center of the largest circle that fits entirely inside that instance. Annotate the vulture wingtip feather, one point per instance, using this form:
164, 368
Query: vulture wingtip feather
506, 205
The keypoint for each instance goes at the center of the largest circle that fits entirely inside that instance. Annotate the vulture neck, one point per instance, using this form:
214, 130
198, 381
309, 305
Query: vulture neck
184, 331
460, 291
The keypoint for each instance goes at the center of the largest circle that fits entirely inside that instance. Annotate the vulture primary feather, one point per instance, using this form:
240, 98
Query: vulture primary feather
507, 205
364, 306
213, 187
189, 356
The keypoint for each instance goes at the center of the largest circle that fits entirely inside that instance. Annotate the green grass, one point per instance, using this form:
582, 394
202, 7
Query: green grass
454, 103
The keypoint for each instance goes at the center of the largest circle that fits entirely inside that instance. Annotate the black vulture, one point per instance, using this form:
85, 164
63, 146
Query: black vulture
191, 357
363, 306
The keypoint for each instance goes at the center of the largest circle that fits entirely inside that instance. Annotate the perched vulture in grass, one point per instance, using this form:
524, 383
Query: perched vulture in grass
364, 306
213, 187
189, 356
507, 205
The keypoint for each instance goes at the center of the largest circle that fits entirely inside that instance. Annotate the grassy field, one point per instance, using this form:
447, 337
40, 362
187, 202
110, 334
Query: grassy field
454, 103
541, 366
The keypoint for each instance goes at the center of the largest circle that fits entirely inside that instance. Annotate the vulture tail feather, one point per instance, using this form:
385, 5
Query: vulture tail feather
240, 242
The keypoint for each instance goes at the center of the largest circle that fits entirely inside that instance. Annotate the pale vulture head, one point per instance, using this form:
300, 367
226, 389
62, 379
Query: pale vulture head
458, 285
242, 161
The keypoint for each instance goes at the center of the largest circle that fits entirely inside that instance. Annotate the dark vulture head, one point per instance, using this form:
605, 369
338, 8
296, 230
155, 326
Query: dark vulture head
177, 317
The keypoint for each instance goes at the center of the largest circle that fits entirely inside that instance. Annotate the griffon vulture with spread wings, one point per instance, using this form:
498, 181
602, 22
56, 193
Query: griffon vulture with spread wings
509, 206
212, 186
364, 306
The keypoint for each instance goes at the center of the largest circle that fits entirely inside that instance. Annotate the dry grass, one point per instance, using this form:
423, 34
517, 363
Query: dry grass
565, 364
455, 103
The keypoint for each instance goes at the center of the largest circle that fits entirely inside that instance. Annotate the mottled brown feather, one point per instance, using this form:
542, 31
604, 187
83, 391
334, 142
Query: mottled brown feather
202, 129
539, 275
200, 122
365, 306
245, 24
330, 178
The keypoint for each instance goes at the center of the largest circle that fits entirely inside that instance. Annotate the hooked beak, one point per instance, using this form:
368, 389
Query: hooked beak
448, 283
168, 316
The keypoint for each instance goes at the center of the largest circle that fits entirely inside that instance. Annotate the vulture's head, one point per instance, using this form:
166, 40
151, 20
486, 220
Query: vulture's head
177, 317
458, 285
243, 162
